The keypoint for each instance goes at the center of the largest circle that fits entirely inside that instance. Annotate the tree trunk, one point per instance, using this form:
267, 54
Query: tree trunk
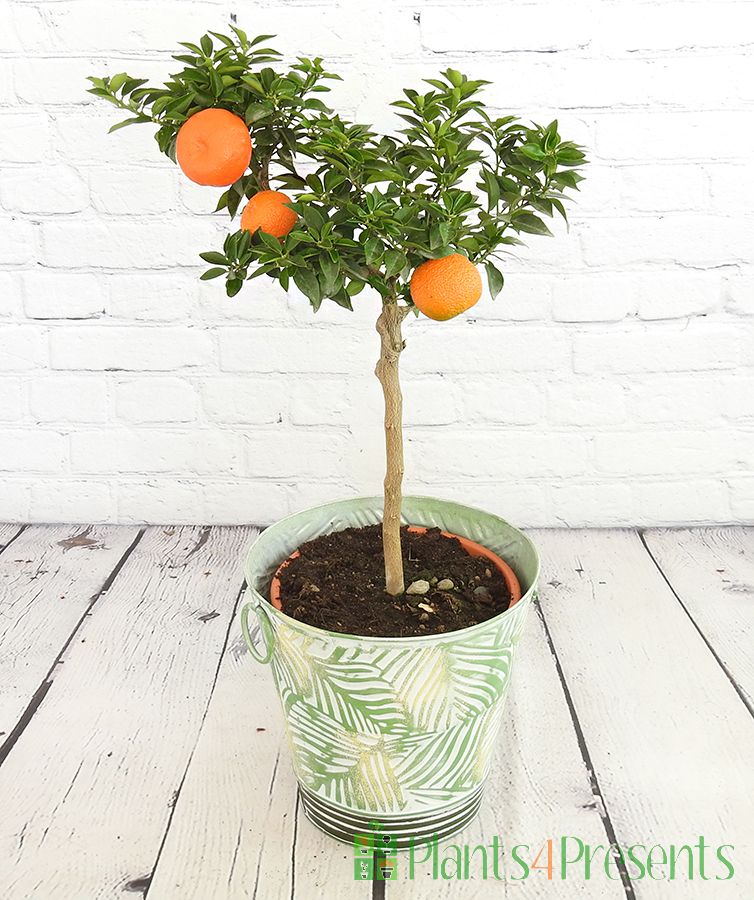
391, 344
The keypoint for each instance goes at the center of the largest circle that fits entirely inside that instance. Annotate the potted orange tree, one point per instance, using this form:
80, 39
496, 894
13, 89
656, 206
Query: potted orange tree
390, 622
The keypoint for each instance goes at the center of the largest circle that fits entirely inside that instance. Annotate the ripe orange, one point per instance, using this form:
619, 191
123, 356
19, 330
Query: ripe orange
267, 211
213, 147
443, 288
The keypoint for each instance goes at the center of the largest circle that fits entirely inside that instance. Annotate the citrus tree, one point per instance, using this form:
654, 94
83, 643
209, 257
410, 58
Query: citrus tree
410, 215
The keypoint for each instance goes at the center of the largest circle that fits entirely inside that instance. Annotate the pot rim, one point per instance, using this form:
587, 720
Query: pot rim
347, 637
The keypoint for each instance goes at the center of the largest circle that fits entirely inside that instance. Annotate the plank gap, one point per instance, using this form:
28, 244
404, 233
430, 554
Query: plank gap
203, 538
41, 692
586, 756
7, 543
729, 675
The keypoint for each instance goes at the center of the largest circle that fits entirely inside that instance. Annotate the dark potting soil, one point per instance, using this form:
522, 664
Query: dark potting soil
338, 583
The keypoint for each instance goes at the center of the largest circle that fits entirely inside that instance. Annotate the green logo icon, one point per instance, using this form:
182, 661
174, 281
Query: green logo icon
375, 855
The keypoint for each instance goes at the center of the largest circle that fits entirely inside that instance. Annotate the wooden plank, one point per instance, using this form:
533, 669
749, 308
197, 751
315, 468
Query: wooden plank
539, 789
88, 788
8, 533
235, 832
671, 742
712, 572
49, 577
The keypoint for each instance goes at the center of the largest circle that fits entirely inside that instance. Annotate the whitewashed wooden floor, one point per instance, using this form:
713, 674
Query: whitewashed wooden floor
142, 750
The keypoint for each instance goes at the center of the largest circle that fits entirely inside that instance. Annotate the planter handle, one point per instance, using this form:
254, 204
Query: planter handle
265, 629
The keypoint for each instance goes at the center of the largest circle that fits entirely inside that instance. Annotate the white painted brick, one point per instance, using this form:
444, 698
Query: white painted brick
535, 27
246, 502
123, 244
147, 399
431, 401
326, 401
680, 503
162, 500
19, 241
505, 400
741, 498
51, 294
659, 452
672, 25
82, 136
588, 401
691, 240
68, 398
579, 505
277, 350
22, 347
12, 406
71, 501
315, 492
523, 505
15, 498
81, 26
154, 452
32, 450
11, 305
26, 136
671, 187
599, 297
135, 191
240, 399
9, 38
112, 348
495, 454
658, 351
681, 135
730, 187
295, 453
524, 298
677, 294
57, 189
696, 398
52, 81
739, 294
477, 348
152, 296
736, 396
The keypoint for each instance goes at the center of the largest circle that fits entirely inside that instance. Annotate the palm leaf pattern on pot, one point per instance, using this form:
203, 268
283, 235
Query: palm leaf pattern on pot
355, 770
388, 727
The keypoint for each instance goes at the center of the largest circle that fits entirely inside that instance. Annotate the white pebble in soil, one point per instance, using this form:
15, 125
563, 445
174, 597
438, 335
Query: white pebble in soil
418, 587
445, 585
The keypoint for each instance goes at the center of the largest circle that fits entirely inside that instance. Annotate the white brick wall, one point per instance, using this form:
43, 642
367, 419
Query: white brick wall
611, 383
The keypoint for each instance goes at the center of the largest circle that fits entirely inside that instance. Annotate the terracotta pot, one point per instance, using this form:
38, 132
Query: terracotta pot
471, 547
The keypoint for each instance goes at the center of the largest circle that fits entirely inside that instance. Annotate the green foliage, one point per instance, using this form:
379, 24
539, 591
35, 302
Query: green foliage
371, 207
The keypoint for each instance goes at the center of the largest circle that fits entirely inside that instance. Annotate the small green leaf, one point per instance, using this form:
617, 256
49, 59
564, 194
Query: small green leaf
306, 281
233, 286
529, 223
212, 273
135, 121
495, 279
394, 262
215, 258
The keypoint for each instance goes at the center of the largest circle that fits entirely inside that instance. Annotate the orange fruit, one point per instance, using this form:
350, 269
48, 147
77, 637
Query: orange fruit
267, 211
213, 147
443, 288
